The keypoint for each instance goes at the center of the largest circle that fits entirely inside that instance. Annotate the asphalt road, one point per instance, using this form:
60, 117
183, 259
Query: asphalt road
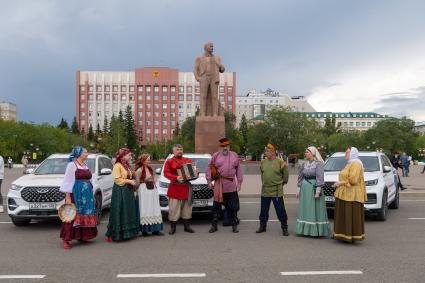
394, 251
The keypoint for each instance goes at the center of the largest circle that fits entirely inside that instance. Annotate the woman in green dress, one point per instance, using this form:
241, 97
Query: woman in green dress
312, 216
123, 219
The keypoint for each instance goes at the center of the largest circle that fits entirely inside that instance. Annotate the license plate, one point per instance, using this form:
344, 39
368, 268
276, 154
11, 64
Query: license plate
200, 202
42, 205
329, 198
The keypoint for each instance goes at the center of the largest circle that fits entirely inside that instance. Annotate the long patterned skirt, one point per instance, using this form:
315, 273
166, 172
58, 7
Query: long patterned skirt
312, 216
349, 221
123, 221
83, 228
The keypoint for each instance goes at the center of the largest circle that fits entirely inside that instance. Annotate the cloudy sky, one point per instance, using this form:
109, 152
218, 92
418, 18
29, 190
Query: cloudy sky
344, 55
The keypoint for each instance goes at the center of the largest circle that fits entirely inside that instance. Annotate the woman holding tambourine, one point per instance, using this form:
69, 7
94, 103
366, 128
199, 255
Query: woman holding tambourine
79, 191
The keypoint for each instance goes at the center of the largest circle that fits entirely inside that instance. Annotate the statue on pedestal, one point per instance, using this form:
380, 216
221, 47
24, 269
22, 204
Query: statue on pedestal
207, 72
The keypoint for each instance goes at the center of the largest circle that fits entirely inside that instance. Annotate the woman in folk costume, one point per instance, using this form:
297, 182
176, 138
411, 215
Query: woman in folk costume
123, 220
350, 196
149, 209
79, 190
312, 216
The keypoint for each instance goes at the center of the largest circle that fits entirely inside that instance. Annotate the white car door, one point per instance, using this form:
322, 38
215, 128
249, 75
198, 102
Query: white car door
388, 178
104, 182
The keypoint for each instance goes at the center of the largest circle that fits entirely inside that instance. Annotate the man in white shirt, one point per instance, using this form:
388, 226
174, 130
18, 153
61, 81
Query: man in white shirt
1, 180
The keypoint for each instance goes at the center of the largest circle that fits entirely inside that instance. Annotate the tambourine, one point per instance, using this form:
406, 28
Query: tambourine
67, 212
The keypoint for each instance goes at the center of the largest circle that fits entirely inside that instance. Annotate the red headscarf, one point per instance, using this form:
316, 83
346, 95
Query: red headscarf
140, 163
119, 159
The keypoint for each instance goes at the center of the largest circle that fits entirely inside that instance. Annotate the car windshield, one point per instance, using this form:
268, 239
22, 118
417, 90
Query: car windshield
58, 166
370, 163
201, 164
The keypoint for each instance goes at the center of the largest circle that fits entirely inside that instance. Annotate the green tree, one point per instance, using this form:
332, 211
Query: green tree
231, 132
105, 129
243, 131
74, 126
63, 124
90, 135
131, 131
331, 126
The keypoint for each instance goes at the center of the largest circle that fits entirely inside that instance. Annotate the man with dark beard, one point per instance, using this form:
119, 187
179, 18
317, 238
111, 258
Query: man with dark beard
178, 191
225, 171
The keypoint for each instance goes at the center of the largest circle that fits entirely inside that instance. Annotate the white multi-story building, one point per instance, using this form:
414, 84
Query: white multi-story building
160, 98
256, 104
360, 121
420, 128
7, 111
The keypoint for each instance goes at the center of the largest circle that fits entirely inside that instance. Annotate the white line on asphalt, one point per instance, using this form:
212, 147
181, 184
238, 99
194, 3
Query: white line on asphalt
335, 272
416, 218
162, 275
22, 276
5, 222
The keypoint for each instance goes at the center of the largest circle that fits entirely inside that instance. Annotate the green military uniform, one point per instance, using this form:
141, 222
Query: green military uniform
273, 177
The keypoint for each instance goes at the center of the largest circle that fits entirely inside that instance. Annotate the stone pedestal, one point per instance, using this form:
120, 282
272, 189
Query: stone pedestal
208, 130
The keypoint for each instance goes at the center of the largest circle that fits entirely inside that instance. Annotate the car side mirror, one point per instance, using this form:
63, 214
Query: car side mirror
387, 169
158, 171
105, 171
29, 171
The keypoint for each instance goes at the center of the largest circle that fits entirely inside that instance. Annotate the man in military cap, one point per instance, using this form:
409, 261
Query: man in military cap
274, 175
225, 171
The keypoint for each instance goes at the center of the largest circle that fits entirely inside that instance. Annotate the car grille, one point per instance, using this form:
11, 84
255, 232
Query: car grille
163, 201
202, 192
42, 194
328, 190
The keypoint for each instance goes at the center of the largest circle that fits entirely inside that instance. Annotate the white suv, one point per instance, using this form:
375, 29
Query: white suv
37, 195
203, 197
380, 178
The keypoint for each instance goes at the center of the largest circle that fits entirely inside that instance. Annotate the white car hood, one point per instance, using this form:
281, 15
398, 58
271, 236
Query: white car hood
32, 180
333, 176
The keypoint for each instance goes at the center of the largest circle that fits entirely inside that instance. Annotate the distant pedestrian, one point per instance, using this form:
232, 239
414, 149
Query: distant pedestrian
395, 161
312, 216
405, 164
423, 170
350, 196
1, 180
10, 162
24, 162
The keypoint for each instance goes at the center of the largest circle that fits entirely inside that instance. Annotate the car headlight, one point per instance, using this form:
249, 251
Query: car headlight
14, 187
371, 182
163, 185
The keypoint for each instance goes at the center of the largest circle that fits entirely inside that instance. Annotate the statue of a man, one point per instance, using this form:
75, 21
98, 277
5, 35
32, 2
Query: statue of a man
207, 69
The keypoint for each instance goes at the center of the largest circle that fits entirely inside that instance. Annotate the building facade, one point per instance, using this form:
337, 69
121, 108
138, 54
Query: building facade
256, 104
8, 111
420, 128
161, 98
349, 120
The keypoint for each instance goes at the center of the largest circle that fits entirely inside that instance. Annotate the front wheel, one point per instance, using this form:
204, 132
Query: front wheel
98, 206
396, 202
382, 213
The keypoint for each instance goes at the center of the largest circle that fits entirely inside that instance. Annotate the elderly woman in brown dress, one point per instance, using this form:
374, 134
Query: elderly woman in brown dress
350, 196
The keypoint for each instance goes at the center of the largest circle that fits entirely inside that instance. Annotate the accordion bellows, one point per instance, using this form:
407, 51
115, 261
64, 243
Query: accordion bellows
187, 172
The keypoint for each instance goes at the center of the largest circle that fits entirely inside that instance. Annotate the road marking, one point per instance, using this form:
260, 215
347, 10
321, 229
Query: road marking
162, 275
22, 276
335, 272
6, 222
416, 218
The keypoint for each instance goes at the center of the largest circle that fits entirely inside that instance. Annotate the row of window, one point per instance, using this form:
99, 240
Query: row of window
124, 97
347, 115
148, 88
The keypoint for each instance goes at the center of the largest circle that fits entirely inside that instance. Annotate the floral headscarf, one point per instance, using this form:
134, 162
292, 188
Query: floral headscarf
76, 152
